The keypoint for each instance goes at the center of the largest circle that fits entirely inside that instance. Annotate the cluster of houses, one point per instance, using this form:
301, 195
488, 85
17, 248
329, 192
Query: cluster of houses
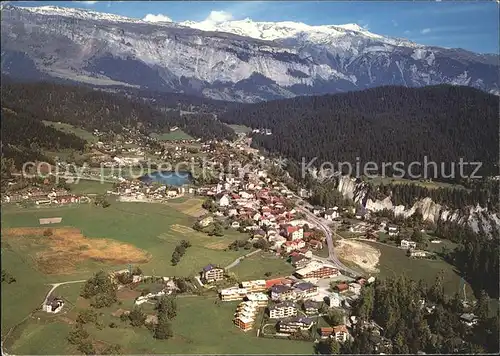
138, 191
291, 302
40, 197
257, 205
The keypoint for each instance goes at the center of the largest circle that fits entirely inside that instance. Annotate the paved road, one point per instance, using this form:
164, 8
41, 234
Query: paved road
302, 207
55, 285
235, 262
328, 234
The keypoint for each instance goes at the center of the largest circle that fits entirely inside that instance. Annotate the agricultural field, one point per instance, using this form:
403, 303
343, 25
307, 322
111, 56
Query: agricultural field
172, 136
92, 238
154, 229
195, 316
90, 187
393, 261
422, 183
255, 266
68, 128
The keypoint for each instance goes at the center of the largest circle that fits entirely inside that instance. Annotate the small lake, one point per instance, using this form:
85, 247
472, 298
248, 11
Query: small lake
176, 179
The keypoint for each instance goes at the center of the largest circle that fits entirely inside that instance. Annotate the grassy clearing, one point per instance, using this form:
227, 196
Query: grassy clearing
240, 128
201, 327
394, 261
40, 338
90, 187
194, 333
26, 294
256, 265
188, 206
172, 136
425, 184
68, 128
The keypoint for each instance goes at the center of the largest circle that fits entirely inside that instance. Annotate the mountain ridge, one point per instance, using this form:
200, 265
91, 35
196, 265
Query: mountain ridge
106, 49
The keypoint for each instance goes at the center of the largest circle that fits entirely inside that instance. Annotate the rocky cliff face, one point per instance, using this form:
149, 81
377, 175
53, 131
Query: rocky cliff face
430, 210
237, 60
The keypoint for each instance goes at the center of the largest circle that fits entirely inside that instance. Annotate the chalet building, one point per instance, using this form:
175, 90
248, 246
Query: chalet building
53, 305
260, 299
392, 230
282, 310
232, 294
299, 261
254, 286
305, 290
212, 273
295, 324
406, 244
317, 270
342, 287
282, 292
338, 333
311, 307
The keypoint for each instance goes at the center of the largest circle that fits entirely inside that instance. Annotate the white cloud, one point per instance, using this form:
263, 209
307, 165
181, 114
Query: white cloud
407, 32
425, 31
219, 16
87, 2
395, 23
156, 18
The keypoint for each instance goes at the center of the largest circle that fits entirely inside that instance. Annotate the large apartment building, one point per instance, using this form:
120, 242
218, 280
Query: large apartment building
305, 290
260, 298
258, 285
231, 294
317, 269
212, 273
244, 317
282, 310
282, 292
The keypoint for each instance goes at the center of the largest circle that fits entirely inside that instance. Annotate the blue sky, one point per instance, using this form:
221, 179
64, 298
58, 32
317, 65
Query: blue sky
471, 25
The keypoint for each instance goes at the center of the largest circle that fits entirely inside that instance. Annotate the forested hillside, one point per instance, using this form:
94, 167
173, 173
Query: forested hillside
395, 305
95, 109
385, 124
24, 137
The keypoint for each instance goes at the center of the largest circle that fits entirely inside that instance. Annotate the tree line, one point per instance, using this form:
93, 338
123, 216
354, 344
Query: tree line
24, 137
475, 257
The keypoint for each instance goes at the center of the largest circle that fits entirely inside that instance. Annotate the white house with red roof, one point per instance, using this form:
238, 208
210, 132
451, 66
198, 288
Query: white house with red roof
293, 245
294, 232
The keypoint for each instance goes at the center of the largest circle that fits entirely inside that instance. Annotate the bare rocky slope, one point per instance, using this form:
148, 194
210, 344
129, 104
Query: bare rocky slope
431, 211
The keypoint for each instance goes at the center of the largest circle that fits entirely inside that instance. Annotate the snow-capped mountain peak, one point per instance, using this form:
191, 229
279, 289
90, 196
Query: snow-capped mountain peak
83, 14
241, 60
279, 30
